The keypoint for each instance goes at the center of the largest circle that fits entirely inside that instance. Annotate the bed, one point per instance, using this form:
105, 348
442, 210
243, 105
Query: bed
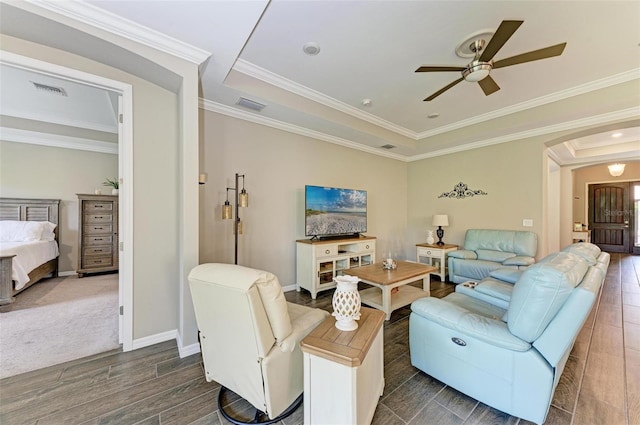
26, 260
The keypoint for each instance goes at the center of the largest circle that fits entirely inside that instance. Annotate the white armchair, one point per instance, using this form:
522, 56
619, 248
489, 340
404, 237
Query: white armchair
250, 336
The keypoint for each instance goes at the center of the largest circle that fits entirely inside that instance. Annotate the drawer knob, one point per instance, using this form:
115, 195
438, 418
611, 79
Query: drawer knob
326, 251
366, 247
428, 252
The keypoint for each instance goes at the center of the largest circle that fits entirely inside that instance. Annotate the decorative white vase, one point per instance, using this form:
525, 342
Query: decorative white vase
114, 191
430, 239
346, 303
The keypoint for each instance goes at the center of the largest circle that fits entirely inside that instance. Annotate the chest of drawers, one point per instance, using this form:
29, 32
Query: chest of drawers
97, 234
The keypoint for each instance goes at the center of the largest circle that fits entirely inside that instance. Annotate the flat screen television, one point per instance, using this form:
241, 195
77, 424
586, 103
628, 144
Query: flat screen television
334, 212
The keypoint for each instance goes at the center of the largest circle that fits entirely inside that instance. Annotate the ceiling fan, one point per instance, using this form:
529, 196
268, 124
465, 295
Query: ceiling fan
482, 64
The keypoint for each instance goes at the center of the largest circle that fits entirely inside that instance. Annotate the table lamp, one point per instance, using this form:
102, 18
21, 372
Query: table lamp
440, 220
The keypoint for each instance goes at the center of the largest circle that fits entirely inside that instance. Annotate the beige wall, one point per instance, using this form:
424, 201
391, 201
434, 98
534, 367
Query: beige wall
510, 173
33, 171
156, 200
278, 165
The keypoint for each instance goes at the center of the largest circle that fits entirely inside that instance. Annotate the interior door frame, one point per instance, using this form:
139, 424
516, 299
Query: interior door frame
125, 165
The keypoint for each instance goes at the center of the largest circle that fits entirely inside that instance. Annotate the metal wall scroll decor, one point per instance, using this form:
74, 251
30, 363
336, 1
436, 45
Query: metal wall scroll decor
461, 191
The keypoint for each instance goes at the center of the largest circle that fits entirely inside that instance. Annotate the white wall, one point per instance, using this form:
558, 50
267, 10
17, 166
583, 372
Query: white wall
33, 171
278, 165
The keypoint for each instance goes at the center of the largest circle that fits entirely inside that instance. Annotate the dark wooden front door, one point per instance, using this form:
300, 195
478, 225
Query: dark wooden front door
611, 217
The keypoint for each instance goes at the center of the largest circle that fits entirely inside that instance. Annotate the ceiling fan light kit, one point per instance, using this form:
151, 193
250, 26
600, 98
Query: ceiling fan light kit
482, 64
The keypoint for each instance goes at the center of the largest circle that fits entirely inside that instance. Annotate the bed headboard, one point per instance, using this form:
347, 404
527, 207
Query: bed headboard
30, 210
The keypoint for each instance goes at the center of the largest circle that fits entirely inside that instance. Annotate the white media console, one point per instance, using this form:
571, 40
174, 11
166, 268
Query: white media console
319, 261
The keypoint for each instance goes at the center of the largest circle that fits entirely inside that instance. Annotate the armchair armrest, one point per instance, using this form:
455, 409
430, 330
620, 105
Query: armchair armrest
519, 260
490, 330
464, 254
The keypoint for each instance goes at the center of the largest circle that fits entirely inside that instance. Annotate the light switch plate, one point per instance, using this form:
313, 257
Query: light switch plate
527, 222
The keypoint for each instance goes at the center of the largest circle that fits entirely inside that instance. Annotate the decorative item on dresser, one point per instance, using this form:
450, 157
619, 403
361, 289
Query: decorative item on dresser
25, 261
346, 303
97, 234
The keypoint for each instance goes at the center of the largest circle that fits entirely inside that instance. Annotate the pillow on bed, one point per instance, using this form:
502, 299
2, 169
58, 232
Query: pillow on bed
47, 231
25, 231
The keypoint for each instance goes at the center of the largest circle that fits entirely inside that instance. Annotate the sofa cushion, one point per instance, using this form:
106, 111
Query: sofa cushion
541, 291
473, 269
463, 254
490, 255
518, 242
588, 251
519, 260
506, 274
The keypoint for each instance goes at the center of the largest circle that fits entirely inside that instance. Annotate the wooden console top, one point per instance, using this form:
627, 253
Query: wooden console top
348, 348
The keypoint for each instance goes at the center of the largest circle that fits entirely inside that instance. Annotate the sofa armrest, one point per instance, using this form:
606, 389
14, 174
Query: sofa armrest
490, 330
463, 254
519, 260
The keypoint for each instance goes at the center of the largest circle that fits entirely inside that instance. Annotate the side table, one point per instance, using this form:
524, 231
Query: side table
436, 256
344, 371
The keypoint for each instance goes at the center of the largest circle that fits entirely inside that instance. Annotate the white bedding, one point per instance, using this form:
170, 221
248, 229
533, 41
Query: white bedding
28, 256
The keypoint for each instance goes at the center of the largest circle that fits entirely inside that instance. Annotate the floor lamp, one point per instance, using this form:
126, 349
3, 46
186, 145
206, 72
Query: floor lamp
241, 200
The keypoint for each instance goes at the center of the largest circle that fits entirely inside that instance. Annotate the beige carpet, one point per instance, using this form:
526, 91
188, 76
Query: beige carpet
57, 320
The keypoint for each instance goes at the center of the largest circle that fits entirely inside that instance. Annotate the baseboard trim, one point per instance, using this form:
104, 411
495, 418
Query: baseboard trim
187, 350
154, 339
69, 273
288, 288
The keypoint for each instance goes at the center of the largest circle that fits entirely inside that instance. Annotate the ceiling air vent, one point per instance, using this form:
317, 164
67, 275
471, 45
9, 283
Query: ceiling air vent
387, 146
50, 89
250, 104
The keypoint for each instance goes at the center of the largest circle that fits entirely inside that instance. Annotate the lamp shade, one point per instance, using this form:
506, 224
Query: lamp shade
243, 199
440, 220
616, 169
227, 211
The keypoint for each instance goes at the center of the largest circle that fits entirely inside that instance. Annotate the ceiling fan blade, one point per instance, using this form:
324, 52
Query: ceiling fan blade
503, 33
442, 90
547, 52
439, 68
488, 85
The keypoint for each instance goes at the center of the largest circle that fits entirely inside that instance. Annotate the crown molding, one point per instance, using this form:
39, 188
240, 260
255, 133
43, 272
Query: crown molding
17, 135
270, 122
274, 79
543, 100
269, 77
569, 125
100, 18
68, 122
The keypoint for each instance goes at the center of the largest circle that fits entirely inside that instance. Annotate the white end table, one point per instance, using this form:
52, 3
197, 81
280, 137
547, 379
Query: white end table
435, 253
343, 371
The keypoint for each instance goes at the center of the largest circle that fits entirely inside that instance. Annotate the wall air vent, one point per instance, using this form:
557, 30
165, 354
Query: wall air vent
50, 89
387, 146
250, 104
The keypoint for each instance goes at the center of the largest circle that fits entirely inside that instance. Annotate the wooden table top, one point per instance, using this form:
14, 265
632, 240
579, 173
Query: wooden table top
435, 245
345, 347
375, 272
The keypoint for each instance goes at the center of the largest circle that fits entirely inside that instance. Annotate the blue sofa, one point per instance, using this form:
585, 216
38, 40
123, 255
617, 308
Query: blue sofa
510, 358
496, 289
486, 250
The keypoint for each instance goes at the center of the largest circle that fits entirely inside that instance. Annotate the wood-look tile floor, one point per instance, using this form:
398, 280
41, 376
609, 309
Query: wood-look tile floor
600, 384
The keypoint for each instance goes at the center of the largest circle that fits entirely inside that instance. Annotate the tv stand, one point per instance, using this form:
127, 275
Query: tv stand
335, 237
319, 261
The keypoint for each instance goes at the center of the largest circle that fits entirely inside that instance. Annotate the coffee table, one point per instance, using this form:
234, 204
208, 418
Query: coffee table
384, 281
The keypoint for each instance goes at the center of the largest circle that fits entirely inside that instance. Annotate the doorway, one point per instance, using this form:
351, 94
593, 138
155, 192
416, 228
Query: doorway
613, 216
124, 93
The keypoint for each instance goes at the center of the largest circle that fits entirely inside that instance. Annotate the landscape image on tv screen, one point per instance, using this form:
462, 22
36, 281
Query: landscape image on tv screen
335, 211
